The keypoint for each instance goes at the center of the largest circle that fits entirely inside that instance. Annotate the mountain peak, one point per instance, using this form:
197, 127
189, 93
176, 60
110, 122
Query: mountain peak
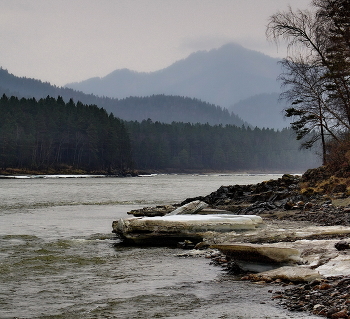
222, 76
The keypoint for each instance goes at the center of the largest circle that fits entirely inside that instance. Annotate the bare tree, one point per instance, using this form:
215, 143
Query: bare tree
312, 117
313, 81
303, 32
303, 73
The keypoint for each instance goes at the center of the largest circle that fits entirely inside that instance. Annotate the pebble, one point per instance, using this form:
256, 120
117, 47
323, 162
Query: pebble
328, 298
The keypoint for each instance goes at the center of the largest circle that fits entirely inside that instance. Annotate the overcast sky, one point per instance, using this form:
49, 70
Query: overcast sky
63, 41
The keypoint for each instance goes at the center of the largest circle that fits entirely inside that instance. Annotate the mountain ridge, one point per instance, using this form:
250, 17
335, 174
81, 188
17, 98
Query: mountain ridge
221, 76
204, 76
162, 108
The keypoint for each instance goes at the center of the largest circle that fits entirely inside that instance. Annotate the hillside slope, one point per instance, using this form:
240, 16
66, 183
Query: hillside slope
161, 108
168, 109
262, 110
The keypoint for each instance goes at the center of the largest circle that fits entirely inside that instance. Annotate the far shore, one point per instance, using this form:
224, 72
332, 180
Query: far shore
133, 172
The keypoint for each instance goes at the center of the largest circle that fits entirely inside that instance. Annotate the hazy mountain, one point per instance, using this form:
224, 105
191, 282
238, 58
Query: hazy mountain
221, 76
11, 84
168, 109
262, 110
161, 108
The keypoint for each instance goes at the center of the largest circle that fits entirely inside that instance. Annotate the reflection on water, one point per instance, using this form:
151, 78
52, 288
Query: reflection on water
59, 259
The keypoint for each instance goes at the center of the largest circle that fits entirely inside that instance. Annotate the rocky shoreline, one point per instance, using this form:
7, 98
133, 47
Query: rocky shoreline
281, 199
328, 297
300, 214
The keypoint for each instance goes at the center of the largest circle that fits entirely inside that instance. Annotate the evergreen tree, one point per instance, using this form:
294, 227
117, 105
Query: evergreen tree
50, 133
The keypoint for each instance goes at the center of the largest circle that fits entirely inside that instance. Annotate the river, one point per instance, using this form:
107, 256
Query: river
59, 259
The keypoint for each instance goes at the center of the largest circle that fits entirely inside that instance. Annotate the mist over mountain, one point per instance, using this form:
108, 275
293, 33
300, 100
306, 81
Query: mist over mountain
221, 76
262, 110
162, 108
197, 89
169, 108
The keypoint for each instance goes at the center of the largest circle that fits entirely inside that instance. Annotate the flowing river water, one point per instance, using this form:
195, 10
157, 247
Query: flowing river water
59, 259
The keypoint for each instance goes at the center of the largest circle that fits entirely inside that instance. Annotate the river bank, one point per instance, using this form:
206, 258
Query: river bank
69, 170
302, 202
299, 214
64, 170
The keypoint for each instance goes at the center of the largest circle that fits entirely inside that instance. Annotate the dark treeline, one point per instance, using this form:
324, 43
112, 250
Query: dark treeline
204, 147
160, 107
50, 133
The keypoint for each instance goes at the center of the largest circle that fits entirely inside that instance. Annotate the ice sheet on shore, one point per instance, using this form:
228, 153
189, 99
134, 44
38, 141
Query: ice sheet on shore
290, 273
50, 176
311, 258
260, 253
243, 219
189, 208
140, 229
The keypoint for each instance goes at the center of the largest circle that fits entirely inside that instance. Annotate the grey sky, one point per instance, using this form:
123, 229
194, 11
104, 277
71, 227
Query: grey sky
63, 41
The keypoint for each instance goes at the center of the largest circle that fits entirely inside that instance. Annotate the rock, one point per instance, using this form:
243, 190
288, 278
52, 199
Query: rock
300, 204
314, 175
317, 307
342, 245
186, 244
240, 195
331, 302
288, 206
340, 314
339, 188
202, 245
323, 286
308, 206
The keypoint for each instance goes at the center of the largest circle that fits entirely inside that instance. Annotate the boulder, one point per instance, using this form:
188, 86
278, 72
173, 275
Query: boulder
342, 245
